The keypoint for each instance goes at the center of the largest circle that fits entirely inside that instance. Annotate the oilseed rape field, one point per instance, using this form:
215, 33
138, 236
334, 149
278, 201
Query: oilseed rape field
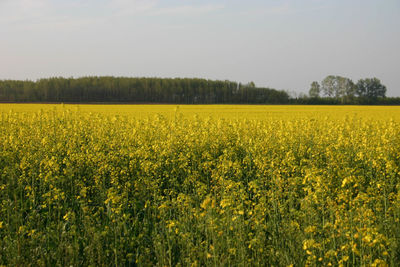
94, 185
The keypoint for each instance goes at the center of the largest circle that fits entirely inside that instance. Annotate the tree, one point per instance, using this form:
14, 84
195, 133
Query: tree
338, 87
370, 88
328, 86
314, 90
252, 84
346, 87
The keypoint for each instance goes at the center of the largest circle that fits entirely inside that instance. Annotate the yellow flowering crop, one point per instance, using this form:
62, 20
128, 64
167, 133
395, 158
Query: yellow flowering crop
199, 185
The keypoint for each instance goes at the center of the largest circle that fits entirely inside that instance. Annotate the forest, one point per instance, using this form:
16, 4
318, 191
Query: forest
138, 90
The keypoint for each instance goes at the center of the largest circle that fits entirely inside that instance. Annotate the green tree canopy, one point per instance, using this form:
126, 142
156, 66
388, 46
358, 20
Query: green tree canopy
338, 87
314, 90
138, 90
370, 88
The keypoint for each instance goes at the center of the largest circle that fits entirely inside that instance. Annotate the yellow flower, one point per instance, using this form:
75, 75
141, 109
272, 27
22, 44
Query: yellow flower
206, 202
310, 229
367, 238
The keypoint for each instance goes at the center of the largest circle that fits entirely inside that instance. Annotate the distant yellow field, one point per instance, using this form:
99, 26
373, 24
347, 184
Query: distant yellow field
220, 111
218, 185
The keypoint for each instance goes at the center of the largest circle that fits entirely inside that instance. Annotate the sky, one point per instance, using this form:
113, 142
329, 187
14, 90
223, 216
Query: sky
282, 44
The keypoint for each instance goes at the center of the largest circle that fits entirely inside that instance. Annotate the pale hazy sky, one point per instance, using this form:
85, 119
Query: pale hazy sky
283, 44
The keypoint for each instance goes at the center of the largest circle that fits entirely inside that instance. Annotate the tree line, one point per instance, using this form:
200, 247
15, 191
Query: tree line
341, 90
138, 90
333, 90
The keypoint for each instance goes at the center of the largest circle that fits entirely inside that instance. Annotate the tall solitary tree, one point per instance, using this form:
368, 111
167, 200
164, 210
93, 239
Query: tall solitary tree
328, 86
346, 89
338, 87
314, 89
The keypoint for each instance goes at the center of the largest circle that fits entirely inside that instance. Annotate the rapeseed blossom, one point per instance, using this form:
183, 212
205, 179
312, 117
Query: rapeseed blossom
268, 186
